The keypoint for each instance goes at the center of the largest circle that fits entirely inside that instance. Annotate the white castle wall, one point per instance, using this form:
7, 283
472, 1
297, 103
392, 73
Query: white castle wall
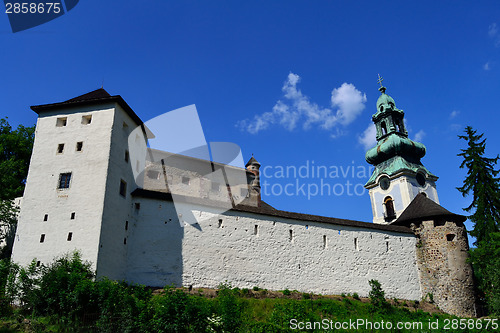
249, 249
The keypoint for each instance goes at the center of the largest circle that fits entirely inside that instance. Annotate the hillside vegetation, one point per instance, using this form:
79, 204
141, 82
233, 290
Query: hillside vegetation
65, 297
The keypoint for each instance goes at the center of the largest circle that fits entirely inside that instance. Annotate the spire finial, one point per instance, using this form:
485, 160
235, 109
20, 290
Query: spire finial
382, 88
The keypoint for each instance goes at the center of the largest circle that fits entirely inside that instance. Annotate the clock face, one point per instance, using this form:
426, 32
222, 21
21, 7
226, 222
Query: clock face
384, 182
420, 179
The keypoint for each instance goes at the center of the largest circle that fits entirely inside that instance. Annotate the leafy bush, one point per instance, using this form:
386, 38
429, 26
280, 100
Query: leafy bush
287, 292
377, 296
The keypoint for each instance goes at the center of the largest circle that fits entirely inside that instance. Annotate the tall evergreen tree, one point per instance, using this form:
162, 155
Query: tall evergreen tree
483, 181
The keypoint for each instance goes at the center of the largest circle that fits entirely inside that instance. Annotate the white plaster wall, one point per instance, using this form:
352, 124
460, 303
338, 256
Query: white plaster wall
208, 254
118, 209
85, 196
403, 190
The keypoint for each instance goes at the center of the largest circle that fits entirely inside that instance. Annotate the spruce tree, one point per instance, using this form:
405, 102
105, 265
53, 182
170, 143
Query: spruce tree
483, 181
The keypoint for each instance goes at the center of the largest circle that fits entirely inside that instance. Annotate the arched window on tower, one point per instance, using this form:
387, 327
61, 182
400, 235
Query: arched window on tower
390, 213
384, 128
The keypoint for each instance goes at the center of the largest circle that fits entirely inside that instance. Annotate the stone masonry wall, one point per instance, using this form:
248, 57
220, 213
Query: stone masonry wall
442, 252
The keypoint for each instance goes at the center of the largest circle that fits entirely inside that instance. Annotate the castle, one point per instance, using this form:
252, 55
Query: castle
85, 191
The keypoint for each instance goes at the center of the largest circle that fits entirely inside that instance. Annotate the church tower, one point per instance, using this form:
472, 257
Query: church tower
399, 176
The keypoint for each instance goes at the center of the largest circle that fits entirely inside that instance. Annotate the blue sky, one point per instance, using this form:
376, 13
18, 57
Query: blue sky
290, 81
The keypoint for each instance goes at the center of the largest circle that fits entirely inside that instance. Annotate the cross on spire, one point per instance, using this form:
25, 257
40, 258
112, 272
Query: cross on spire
382, 88
380, 79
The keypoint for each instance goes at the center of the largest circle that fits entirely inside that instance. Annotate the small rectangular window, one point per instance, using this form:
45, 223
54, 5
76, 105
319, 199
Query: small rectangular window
290, 236
256, 230
185, 180
64, 180
324, 242
42, 238
123, 188
127, 156
61, 122
215, 187
73, 215
46, 218
79, 146
137, 205
220, 223
125, 241
356, 244
38, 263
86, 120
126, 225
70, 236
60, 148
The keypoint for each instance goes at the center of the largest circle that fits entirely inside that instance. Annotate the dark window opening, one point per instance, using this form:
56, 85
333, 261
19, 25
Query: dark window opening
64, 180
86, 120
42, 238
73, 214
356, 244
123, 188
152, 174
389, 208
46, 217
384, 128
61, 122
256, 230
126, 225
79, 146
290, 236
38, 263
137, 205
125, 241
127, 156
60, 148
220, 223
450, 237
185, 180
324, 241
70, 236
386, 246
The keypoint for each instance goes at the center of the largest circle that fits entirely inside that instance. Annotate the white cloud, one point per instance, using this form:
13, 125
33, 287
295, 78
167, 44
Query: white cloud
487, 66
419, 136
493, 30
454, 114
296, 108
493, 33
349, 101
368, 138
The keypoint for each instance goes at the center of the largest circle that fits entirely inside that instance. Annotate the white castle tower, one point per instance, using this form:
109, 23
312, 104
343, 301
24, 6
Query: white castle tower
78, 187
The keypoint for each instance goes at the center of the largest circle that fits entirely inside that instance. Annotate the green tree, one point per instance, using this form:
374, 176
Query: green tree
484, 184
15, 153
8, 222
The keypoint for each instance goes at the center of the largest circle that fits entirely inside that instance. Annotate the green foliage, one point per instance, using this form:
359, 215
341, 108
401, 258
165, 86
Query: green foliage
229, 308
355, 296
377, 296
483, 183
287, 292
176, 311
15, 153
8, 223
256, 288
